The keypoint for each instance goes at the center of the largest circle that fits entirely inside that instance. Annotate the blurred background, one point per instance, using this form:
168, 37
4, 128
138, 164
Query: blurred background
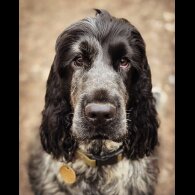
41, 21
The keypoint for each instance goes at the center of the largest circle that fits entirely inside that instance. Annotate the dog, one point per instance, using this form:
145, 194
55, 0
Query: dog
99, 123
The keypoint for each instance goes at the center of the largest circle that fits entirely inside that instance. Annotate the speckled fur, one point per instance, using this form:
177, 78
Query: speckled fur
127, 177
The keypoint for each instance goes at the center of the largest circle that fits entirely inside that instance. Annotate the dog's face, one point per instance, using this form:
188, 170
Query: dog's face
98, 91
97, 73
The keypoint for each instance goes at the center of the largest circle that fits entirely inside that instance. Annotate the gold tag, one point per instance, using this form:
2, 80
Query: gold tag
68, 174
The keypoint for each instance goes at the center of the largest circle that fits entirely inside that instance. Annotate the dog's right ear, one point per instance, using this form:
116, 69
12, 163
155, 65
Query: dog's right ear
56, 118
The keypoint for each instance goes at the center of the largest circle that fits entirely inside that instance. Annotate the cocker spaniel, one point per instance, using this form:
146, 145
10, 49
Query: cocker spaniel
99, 124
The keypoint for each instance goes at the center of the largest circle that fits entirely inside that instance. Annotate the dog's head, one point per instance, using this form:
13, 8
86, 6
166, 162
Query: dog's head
99, 91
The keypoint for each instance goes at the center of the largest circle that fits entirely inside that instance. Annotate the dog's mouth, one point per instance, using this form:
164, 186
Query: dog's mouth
100, 137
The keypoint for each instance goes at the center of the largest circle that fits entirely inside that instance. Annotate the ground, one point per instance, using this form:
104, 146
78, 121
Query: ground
41, 21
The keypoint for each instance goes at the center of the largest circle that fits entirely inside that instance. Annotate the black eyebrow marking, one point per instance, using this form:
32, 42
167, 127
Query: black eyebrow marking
117, 50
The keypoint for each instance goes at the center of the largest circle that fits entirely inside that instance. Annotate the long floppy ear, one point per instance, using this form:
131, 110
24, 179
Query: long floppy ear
56, 118
142, 116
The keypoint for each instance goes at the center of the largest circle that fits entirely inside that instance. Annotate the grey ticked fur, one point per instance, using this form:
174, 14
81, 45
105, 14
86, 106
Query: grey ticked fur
124, 178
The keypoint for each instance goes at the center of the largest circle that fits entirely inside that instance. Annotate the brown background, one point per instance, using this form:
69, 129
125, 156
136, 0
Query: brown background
41, 21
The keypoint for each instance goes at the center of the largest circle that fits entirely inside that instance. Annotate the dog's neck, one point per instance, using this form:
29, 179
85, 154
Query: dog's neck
94, 160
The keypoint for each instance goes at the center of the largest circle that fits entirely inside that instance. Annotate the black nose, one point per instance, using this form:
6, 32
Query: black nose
98, 112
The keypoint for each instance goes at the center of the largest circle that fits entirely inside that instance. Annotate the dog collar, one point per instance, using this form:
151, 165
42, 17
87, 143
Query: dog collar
94, 161
68, 174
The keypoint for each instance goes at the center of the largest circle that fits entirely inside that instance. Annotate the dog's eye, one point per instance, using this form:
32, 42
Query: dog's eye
124, 62
78, 61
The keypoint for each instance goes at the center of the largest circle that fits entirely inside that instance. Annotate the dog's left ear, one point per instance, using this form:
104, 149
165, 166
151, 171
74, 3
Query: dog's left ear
143, 122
